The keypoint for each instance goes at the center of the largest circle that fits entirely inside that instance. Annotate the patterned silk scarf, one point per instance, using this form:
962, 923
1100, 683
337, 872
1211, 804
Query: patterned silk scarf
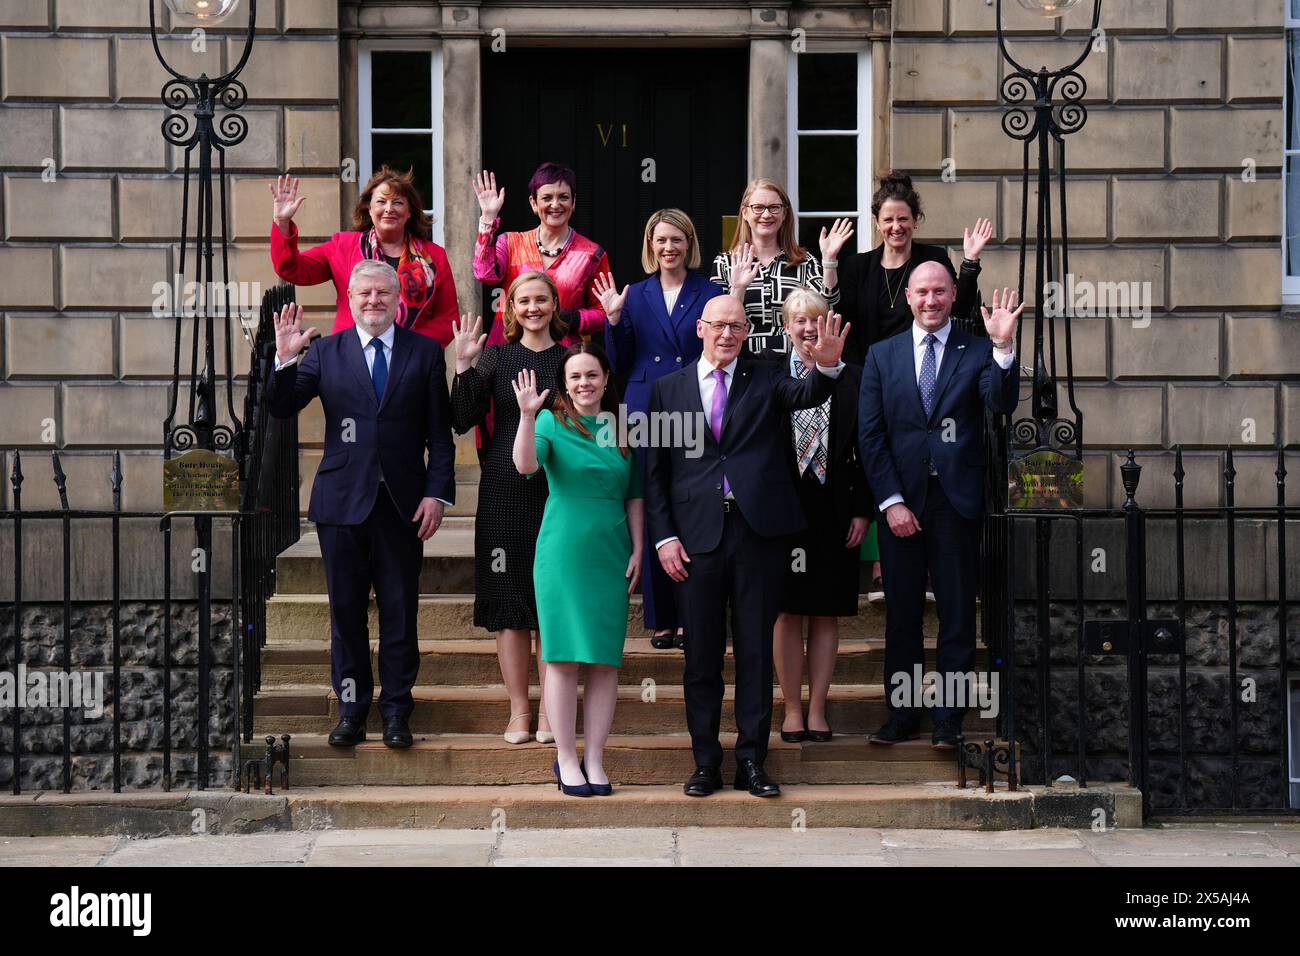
811, 431
414, 274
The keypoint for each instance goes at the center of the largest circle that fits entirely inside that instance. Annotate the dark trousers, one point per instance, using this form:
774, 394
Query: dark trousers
744, 573
383, 551
947, 547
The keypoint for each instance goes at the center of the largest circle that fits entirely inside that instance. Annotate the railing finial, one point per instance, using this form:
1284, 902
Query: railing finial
1131, 473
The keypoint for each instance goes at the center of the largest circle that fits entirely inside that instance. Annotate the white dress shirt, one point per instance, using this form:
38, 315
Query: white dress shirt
388, 336
1004, 360
704, 370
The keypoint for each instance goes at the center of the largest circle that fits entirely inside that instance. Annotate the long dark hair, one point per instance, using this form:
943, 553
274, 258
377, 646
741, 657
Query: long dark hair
896, 185
562, 407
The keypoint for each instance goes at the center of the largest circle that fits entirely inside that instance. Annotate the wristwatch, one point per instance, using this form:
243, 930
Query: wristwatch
1004, 346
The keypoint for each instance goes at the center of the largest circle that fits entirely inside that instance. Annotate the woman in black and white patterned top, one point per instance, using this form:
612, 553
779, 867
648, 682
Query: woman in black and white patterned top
765, 263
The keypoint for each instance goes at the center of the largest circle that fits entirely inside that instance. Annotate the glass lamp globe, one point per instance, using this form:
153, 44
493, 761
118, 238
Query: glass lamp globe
1049, 8
206, 12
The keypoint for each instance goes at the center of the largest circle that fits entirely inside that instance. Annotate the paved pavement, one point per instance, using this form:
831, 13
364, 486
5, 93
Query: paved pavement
1221, 845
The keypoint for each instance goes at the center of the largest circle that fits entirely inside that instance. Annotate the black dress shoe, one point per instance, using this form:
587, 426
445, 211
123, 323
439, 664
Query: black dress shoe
397, 733
946, 734
662, 642
350, 732
818, 736
750, 776
895, 731
794, 736
703, 782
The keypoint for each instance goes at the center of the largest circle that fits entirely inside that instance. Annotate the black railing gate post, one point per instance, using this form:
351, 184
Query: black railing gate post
1135, 595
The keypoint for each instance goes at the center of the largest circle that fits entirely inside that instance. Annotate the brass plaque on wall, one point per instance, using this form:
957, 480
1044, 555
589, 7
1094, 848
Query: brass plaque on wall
1045, 479
201, 480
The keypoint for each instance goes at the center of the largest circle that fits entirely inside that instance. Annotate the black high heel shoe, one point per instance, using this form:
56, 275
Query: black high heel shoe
581, 790
597, 789
794, 736
662, 642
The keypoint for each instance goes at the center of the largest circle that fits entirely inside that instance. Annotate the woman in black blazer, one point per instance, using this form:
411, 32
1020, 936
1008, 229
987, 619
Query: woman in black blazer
873, 297
873, 284
821, 577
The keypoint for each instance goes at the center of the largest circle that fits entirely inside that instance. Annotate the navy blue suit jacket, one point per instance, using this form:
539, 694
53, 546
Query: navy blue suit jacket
383, 439
684, 494
648, 343
898, 440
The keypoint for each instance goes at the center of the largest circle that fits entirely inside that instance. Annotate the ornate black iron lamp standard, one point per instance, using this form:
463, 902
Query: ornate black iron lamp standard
205, 137
1037, 125
1044, 452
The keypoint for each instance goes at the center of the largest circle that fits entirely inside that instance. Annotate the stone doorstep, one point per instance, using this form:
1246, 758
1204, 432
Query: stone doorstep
909, 806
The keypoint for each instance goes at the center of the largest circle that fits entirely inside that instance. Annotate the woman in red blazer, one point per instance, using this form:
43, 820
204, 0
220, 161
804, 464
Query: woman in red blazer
390, 226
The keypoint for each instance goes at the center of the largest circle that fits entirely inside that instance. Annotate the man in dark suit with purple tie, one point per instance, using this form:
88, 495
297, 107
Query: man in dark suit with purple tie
375, 499
720, 515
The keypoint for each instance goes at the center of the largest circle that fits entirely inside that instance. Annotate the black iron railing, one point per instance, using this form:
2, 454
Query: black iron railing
265, 525
1105, 674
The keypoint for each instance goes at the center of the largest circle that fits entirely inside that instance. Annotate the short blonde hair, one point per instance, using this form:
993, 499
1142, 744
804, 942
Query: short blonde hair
678, 220
800, 299
510, 321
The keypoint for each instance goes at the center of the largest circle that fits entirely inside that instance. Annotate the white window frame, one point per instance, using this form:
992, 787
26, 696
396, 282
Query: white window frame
365, 131
865, 113
1290, 282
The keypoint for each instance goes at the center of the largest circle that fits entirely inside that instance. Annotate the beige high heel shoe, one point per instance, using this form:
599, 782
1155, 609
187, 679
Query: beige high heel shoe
543, 736
517, 736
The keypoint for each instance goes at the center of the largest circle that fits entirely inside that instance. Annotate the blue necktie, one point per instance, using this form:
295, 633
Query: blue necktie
379, 371
928, 377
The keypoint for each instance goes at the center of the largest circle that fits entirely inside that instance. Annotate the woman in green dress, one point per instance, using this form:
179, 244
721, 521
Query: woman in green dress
594, 521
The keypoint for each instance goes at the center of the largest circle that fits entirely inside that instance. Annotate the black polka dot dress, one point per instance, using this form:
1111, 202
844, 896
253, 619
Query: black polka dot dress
510, 506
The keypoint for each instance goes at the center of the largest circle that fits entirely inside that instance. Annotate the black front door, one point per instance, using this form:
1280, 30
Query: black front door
643, 130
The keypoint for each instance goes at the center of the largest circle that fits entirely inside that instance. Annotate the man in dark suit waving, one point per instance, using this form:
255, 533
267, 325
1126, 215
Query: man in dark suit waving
375, 499
719, 515
921, 430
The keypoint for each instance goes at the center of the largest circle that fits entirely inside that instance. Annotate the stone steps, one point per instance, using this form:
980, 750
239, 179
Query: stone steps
474, 662
313, 709
295, 618
663, 759
448, 562
460, 772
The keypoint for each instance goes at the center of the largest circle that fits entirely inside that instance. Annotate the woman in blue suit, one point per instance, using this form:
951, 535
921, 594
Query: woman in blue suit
649, 332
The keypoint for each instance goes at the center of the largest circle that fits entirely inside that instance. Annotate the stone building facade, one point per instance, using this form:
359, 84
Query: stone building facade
1183, 98
1176, 184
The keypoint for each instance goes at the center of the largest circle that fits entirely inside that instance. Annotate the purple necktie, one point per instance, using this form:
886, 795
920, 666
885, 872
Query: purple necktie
715, 415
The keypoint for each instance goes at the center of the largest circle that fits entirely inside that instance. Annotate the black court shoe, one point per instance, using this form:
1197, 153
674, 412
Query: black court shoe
662, 642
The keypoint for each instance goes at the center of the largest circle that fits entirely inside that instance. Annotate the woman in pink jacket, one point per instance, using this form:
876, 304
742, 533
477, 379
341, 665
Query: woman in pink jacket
390, 226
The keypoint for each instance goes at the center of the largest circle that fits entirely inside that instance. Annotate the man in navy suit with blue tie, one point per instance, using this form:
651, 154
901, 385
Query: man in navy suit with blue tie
921, 431
375, 499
